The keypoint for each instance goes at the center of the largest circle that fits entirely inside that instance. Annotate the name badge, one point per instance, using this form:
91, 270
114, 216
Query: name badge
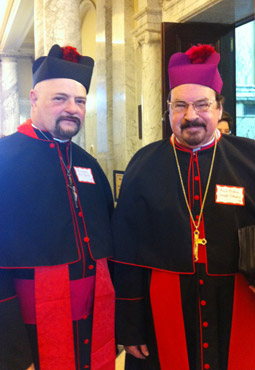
230, 195
84, 175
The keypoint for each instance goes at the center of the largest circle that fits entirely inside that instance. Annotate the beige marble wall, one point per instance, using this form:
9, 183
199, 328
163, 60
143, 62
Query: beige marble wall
88, 38
104, 85
39, 28
125, 128
147, 36
9, 96
151, 93
128, 74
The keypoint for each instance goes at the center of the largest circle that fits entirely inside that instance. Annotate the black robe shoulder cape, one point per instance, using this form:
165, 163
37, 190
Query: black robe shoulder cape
151, 218
36, 219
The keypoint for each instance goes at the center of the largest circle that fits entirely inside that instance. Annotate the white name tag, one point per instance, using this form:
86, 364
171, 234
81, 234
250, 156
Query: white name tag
230, 195
84, 175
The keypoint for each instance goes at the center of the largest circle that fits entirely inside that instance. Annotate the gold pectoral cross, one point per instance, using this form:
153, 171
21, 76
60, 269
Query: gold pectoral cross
197, 241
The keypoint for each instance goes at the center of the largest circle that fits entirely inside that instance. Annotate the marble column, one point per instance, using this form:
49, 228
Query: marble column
125, 126
39, 28
104, 85
9, 96
58, 22
148, 39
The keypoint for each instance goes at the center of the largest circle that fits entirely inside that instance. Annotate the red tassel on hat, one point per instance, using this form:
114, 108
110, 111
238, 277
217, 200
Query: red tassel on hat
70, 54
199, 54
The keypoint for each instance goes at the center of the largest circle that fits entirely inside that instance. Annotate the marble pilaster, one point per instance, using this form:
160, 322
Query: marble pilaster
39, 28
104, 85
148, 37
151, 93
125, 127
9, 96
88, 37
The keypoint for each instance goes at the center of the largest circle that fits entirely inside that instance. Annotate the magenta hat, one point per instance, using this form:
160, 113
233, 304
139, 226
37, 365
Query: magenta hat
199, 65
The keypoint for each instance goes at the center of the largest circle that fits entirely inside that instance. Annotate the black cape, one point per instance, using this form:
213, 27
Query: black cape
152, 219
37, 224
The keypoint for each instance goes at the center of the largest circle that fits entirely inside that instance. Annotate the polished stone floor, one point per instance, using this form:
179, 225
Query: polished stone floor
120, 361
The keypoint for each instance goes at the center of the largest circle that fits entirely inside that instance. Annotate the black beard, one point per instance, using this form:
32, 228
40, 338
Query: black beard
66, 135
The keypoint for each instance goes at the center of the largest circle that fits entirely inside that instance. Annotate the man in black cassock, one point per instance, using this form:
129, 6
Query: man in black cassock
56, 296
181, 303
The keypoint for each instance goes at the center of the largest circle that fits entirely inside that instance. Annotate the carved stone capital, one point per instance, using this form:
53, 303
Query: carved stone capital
147, 36
148, 28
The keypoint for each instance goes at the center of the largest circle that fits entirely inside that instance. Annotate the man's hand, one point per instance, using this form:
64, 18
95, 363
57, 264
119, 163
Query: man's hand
31, 367
140, 351
252, 288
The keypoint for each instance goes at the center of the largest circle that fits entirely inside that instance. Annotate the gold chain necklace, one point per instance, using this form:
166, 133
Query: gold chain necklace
197, 240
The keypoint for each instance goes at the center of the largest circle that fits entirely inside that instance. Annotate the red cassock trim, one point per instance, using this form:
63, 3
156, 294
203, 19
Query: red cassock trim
103, 343
54, 319
241, 351
166, 305
27, 129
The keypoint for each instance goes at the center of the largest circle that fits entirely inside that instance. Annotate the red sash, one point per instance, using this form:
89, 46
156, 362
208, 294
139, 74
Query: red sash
166, 305
54, 318
242, 352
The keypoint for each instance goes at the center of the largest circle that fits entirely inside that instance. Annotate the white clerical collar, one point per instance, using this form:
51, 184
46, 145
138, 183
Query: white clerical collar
61, 141
202, 146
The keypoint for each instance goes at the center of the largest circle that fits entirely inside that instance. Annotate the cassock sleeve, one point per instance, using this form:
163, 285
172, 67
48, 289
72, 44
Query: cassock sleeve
15, 353
129, 282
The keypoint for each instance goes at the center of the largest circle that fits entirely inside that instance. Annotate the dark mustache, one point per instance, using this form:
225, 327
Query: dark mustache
69, 118
188, 124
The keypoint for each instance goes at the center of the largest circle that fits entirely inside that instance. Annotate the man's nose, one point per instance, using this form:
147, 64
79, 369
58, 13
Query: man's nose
190, 113
71, 106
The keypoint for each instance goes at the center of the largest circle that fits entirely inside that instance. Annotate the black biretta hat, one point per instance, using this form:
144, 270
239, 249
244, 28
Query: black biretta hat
63, 62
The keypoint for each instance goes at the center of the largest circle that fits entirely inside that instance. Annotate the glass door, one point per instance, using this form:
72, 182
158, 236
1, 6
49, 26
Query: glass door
245, 80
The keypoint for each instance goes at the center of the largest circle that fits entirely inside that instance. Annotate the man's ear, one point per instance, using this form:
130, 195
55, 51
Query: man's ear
33, 97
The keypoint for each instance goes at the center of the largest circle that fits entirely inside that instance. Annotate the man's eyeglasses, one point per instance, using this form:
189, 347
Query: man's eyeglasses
182, 106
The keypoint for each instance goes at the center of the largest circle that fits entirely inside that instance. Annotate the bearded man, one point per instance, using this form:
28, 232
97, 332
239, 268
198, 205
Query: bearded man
181, 303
